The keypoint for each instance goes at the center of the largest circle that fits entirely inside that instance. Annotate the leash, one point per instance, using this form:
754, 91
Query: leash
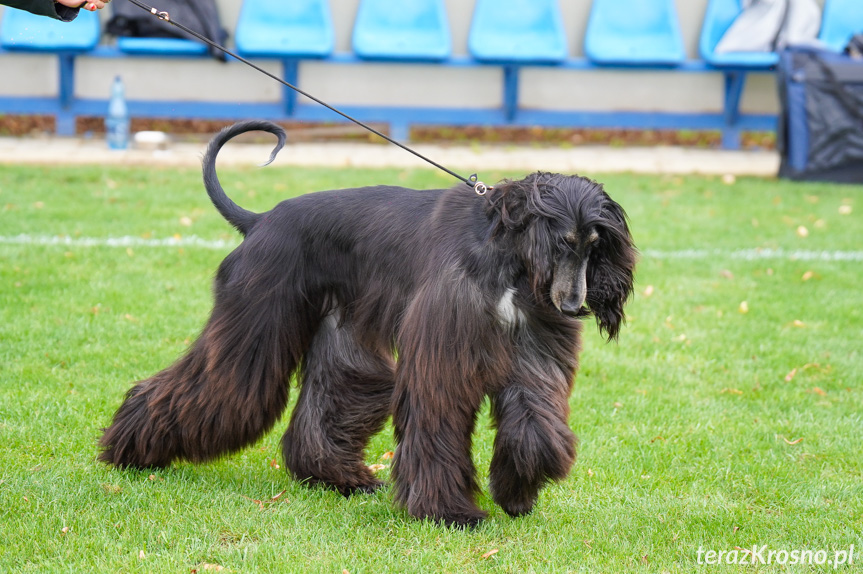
479, 187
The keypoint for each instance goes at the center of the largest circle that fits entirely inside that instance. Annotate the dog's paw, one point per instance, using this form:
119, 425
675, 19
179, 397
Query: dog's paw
519, 508
464, 520
369, 487
516, 502
468, 517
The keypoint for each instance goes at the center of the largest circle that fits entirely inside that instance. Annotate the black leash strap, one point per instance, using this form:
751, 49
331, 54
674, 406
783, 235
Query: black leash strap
479, 187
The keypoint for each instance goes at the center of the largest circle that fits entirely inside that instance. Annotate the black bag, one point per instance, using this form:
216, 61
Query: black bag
820, 129
202, 16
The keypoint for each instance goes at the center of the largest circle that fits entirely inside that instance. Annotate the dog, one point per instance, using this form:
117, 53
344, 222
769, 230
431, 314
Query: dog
386, 301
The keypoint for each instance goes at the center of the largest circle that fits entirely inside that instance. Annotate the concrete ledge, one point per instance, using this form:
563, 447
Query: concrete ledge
467, 159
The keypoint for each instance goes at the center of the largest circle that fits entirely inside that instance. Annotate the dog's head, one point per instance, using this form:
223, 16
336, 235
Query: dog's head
572, 239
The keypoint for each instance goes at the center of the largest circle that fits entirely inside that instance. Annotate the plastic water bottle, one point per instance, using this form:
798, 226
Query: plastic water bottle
117, 120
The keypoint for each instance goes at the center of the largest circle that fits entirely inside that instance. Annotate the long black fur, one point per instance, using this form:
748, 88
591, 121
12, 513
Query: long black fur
476, 296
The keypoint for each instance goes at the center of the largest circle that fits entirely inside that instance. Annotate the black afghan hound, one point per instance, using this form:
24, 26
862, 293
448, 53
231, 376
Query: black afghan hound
476, 296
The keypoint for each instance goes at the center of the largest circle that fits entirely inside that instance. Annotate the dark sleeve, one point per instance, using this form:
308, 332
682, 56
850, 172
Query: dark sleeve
44, 8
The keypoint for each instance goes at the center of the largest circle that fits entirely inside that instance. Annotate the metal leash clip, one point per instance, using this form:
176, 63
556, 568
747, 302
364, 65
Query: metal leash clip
479, 187
160, 15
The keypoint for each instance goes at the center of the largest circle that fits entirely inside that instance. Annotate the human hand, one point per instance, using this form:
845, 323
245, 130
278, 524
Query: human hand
91, 5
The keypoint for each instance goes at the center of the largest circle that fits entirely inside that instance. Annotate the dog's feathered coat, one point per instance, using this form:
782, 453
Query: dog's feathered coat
479, 296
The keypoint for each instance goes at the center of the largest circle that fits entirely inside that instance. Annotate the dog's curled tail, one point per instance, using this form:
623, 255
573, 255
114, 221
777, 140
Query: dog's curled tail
240, 218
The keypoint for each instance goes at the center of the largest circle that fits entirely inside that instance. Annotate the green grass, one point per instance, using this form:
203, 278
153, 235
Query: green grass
690, 427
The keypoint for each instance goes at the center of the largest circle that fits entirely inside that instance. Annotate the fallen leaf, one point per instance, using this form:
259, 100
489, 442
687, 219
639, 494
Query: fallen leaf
129, 252
844, 210
802, 231
819, 391
645, 476
141, 555
490, 553
387, 455
656, 438
641, 392
186, 221
648, 291
729, 179
65, 530
798, 323
274, 464
730, 391
377, 467
790, 375
680, 338
807, 276
39, 204
743, 307
111, 489
590, 473
644, 559
617, 405
727, 274
214, 567
792, 442
278, 496
258, 502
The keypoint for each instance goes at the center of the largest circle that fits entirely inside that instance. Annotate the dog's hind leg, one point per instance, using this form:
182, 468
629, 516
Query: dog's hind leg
534, 443
344, 400
230, 387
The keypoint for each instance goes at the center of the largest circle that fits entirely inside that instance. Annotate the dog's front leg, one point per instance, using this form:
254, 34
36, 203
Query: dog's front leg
534, 443
433, 472
449, 355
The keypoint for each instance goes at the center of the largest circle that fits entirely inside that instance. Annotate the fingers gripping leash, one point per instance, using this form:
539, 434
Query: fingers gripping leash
479, 187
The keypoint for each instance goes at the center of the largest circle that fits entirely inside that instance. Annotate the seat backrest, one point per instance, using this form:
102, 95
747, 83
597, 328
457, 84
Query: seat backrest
717, 19
517, 31
402, 30
276, 28
636, 32
20, 30
841, 20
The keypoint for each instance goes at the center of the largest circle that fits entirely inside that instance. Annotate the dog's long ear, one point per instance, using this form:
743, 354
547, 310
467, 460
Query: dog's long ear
517, 214
610, 269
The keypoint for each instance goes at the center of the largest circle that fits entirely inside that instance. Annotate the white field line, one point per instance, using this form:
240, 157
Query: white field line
753, 254
124, 241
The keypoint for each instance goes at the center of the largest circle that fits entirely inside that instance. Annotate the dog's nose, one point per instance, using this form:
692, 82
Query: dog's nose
571, 308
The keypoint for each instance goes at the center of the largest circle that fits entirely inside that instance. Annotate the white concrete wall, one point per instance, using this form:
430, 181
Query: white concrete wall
391, 84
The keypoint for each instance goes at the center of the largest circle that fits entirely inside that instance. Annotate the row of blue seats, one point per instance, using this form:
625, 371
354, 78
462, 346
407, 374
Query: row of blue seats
619, 32
508, 33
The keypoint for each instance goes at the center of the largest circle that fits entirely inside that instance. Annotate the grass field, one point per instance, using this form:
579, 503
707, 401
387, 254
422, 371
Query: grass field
728, 416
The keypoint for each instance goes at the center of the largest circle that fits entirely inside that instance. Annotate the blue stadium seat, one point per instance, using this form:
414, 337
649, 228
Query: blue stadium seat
517, 31
717, 19
161, 46
24, 31
841, 20
402, 30
279, 29
634, 33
